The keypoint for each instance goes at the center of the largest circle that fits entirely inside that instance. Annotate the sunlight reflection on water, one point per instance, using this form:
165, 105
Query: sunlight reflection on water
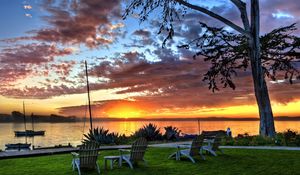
64, 133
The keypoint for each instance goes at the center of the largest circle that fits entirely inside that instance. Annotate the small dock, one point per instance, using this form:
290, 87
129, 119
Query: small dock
52, 151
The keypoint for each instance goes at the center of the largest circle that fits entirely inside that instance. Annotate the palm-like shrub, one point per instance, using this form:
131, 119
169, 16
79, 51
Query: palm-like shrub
102, 136
151, 132
171, 133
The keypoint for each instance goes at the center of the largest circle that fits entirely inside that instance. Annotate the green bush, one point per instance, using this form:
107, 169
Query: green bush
261, 141
152, 133
242, 140
297, 140
290, 137
228, 141
287, 138
247, 140
279, 139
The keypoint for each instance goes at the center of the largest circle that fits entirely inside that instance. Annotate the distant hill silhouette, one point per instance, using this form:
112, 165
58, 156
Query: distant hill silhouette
280, 118
53, 118
18, 117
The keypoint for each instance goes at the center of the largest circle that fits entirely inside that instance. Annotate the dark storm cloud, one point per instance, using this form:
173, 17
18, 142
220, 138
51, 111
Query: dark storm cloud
20, 61
175, 81
140, 38
11, 73
45, 92
31, 54
142, 33
101, 108
88, 22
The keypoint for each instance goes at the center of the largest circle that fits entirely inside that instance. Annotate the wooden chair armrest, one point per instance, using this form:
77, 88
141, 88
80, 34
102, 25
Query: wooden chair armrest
184, 146
74, 154
124, 150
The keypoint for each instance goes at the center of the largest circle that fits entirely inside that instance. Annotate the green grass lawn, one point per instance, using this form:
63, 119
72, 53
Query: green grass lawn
234, 161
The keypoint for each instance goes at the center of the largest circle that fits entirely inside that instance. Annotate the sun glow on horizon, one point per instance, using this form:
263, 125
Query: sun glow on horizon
124, 110
128, 109
135, 110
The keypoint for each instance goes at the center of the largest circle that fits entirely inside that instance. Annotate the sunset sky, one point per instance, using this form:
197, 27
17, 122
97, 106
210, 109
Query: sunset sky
43, 45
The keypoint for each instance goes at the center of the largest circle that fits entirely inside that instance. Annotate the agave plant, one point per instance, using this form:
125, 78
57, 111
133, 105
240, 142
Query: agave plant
171, 133
119, 139
150, 132
102, 136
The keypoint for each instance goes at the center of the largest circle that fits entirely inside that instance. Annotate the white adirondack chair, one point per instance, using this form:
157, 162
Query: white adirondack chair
86, 158
214, 146
192, 151
137, 152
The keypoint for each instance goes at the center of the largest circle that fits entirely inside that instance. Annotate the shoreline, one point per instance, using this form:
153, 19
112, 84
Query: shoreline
208, 119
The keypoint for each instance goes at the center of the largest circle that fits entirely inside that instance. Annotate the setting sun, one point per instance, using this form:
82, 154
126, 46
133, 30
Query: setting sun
123, 110
83, 76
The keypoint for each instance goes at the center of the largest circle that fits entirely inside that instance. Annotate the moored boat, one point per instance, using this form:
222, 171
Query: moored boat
29, 133
17, 146
20, 146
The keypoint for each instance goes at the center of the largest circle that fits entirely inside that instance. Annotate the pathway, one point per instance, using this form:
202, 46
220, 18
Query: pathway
174, 145
50, 151
40, 152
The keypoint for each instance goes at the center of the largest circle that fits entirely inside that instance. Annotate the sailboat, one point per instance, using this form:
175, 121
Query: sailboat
88, 93
30, 133
19, 146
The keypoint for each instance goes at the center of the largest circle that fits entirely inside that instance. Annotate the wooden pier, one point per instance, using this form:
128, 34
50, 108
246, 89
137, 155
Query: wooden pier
51, 151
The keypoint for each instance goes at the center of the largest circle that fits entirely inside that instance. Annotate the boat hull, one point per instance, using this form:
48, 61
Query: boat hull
17, 146
29, 133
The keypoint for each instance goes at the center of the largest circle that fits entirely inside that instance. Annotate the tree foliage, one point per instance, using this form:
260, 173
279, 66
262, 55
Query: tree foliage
170, 12
228, 53
268, 55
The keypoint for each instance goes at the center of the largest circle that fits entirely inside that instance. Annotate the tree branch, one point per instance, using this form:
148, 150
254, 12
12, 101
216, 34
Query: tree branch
211, 14
242, 7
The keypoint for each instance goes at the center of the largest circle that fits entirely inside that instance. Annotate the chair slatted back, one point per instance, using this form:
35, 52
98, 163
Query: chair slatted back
217, 142
88, 154
138, 150
212, 134
209, 134
196, 145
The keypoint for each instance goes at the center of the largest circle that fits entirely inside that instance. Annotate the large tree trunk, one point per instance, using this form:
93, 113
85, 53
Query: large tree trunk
260, 87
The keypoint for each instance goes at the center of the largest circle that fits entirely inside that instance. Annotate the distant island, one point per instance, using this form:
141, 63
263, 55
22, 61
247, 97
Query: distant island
279, 118
17, 117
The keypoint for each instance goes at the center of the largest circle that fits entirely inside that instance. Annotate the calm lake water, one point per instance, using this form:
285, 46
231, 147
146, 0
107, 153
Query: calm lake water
64, 133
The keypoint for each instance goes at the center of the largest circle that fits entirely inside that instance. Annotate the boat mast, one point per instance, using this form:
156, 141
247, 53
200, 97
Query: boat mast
32, 122
88, 90
199, 126
25, 121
